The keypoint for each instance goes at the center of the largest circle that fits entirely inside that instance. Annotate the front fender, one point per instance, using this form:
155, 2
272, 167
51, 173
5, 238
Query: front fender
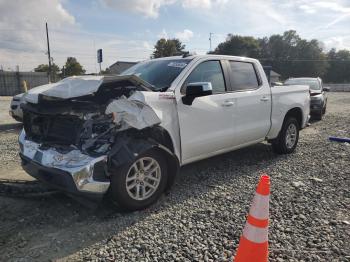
127, 149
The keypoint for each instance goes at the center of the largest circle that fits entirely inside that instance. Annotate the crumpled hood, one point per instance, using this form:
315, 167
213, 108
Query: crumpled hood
77, 86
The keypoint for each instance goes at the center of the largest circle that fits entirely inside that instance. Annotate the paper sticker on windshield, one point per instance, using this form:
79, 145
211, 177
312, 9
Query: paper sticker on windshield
177, 64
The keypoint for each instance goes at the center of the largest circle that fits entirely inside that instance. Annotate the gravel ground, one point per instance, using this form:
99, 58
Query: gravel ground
203, 216
8, 150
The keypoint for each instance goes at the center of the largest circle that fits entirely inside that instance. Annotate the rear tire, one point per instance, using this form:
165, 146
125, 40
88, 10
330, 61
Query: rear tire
288, 137
134, 186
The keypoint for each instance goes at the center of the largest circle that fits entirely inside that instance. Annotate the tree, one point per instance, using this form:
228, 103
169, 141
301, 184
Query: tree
239, 46
168, 47
292, 56
288, 54
339, 66
72, 67
107, 71
55, 70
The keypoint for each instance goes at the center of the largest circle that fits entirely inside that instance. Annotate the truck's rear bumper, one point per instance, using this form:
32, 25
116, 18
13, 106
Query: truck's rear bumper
73, 172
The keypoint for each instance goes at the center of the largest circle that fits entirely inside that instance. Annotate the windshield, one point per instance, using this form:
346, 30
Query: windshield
159, 73
313, 84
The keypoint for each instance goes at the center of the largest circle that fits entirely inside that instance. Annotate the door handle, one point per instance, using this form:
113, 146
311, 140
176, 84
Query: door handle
264, 98
228, 103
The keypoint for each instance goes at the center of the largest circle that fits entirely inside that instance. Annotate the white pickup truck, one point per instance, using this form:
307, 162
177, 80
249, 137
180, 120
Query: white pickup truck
128, 135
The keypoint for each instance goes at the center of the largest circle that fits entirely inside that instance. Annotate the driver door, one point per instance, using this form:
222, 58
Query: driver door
206, 126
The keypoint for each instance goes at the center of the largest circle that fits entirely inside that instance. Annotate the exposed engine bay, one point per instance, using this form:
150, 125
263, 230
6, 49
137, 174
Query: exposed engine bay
88, 122
79, 132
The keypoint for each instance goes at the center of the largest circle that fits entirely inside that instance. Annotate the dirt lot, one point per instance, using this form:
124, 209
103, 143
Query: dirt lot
202, 217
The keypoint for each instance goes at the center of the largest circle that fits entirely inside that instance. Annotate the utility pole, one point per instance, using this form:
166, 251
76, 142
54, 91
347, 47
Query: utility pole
95, 60
48, 53
210, 34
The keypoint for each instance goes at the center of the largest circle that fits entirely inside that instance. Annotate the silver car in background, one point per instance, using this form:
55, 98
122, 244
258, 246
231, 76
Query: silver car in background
15, 107
318, 95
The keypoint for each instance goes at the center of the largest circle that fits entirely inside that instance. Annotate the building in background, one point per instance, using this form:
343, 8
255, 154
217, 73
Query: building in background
120, 66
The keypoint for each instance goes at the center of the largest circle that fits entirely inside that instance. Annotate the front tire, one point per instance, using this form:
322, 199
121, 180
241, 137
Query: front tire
139, 184
288, 137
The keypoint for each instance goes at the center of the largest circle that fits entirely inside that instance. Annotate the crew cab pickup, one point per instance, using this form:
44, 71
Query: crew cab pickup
128, 135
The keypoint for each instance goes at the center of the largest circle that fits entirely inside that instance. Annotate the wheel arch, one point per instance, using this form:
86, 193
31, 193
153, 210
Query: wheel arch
132, 143
277, 123
297, 113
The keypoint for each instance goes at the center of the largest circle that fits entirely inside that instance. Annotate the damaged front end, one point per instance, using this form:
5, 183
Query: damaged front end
72, 143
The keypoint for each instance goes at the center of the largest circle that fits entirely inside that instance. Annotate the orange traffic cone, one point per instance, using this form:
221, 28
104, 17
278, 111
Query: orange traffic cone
253, 245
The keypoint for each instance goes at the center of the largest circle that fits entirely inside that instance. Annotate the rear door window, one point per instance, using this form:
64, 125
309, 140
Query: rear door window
243, 76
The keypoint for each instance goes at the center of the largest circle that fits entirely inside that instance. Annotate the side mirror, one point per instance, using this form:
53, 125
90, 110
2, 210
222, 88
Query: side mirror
326, 89
196, 89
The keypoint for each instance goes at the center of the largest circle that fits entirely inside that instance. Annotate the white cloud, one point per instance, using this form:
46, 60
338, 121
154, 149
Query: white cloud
163, 34
318, 19
22, 27
337, 20
202, 4
148, 8
196, 3
338, 42
22, 23
185, 35
23, 37
147, 45
316, 6
332, 6
151, 8
307, 9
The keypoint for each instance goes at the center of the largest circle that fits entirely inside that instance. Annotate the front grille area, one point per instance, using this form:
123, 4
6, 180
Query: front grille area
54, 129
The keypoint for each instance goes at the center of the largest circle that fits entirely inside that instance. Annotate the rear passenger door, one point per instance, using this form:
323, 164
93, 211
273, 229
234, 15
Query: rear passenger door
253, 102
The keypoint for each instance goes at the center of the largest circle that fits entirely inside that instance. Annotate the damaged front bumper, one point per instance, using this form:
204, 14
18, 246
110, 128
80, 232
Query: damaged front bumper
73, 171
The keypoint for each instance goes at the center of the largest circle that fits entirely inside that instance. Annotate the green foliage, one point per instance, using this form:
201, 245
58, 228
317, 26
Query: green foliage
107, 71
55, 70
288, 54
339, 66
72, 67
168, 47
292, 56
239, 46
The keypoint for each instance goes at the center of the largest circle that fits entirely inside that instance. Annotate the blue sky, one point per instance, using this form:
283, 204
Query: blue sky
128, 30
